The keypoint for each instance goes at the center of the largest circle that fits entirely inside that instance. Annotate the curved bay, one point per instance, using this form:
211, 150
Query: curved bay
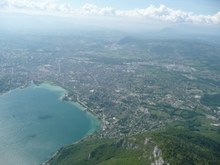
35, 123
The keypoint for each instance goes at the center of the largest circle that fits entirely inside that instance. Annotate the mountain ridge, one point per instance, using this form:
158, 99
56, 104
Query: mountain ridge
168, 146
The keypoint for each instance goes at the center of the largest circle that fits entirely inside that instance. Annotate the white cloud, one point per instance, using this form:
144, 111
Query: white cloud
162, 12
94, 10
38, 6
215, 18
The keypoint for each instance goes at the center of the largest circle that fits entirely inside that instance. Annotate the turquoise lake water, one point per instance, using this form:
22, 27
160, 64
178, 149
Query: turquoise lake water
35, 123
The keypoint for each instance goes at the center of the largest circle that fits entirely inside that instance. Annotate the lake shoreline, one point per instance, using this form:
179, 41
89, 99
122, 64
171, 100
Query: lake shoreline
79, 106
95, 124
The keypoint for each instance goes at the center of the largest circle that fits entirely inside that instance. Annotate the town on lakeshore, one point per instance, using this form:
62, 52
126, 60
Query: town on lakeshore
109, 82
132, 83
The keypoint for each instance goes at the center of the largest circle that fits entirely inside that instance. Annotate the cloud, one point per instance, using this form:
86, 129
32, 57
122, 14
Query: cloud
37, 6
216, 18
167, 14
162, 12
94, 10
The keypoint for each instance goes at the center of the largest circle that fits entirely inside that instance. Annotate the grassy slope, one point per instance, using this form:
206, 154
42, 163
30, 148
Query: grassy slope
179, 146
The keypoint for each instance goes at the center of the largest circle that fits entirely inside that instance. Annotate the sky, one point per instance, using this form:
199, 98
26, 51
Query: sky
196, 6
193, 12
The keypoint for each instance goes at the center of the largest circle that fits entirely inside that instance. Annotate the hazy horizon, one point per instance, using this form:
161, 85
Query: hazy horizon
203, 17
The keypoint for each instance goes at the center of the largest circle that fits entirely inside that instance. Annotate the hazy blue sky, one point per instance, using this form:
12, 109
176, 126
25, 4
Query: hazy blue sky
196, 6
194, 12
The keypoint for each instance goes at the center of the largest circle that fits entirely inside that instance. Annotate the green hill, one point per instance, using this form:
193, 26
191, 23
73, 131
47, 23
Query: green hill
172, 145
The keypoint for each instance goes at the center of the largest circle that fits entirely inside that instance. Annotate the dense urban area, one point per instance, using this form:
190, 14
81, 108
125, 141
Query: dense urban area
132, 84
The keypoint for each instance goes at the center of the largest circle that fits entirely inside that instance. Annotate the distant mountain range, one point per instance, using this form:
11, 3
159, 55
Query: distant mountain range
28, 21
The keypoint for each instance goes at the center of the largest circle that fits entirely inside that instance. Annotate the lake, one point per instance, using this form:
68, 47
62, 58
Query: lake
35, 123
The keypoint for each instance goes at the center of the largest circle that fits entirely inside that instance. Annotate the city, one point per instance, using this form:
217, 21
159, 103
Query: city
132, 84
